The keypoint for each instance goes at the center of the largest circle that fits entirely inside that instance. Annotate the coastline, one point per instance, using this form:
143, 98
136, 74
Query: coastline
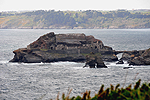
114, 27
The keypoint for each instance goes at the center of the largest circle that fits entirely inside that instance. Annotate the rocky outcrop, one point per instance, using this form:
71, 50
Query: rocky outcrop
26, 55
62, 47
143, 59
94, 61
129, 55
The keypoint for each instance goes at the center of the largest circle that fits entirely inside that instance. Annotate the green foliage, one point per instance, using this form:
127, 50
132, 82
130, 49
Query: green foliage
137, 93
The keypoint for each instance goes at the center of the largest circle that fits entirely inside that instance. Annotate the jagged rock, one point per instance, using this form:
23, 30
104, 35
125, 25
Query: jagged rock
129, 55
62, 47
144, 59
126, 56
94, 61
44, 42
26, 55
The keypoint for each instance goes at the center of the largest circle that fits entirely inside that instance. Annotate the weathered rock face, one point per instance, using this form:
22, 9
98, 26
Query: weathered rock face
129, 55
51, 41
44, 42
61, 47
143, 59
94, 61
26, 55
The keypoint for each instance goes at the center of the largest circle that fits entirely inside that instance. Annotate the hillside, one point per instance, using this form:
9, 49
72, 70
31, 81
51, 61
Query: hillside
91, 19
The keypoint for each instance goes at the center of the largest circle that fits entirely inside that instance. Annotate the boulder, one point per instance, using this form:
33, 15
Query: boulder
126, 56
94, 61
100, 63
144, 59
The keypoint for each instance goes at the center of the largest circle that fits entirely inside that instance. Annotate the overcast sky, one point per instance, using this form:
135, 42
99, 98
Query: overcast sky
17, 5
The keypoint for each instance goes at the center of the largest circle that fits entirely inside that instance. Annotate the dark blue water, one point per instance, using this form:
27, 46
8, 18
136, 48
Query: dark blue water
19, 81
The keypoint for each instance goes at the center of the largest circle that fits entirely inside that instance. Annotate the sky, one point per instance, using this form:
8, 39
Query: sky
21, 5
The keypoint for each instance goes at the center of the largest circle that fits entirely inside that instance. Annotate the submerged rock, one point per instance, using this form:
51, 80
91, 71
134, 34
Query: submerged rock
62, 47
128, 68
120, 62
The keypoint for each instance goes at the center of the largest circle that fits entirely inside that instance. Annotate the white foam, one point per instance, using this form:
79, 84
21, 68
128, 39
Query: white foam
26, 64
31, 63
119, 55
4, 62
65, 63
81, 67
13, 63
110, 64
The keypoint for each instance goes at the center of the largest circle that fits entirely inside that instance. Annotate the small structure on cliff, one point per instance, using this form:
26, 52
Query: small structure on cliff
62, 47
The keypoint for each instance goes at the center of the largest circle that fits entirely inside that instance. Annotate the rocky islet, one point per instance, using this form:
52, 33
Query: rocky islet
76, 47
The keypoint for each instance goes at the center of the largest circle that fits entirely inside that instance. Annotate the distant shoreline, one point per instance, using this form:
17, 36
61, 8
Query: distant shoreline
89, 19
74, 28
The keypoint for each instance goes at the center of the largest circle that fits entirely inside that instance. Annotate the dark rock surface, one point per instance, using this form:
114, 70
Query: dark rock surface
120, 62
128, 68
94, 61
143, 59
63, 47
129, 55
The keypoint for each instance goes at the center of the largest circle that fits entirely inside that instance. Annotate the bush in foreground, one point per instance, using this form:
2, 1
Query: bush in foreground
139, 92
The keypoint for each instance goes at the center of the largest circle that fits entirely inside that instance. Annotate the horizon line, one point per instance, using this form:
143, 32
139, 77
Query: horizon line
76, 10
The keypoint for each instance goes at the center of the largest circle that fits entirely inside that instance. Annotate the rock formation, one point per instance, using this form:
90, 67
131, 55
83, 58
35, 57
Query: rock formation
143, 59
62, 47
129, 55
94, 61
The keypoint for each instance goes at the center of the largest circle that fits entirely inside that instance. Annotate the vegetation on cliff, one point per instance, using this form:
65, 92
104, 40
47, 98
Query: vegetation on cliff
75, 19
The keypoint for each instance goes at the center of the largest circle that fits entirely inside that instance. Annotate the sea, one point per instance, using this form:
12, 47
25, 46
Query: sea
45, 81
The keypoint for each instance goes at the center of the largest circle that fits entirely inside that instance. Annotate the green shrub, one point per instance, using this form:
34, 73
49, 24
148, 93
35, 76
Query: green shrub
139, 92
